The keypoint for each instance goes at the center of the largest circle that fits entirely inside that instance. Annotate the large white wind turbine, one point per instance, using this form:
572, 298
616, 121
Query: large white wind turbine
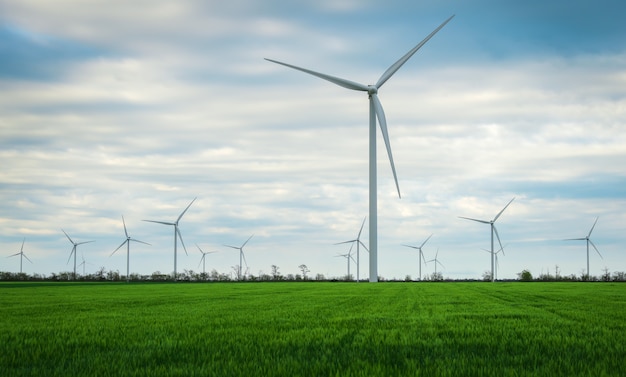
177, 234
493, 230
21, 254
421, 254
127, 242
588, 242
359, 243
74, 250
375, 111
203, 259
241, 256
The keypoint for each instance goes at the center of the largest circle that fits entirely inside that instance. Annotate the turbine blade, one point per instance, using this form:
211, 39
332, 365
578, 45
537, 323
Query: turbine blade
159, 222
424, 243
80, 243
123, 243
498, 215
234, 247
339, 243
574, 239
395, 66
68, 237
244, 244
145, 243
594, 225
362, 244
181, 215
244, 258
22, 248
72, 252
125, 231
412, 247
382, 121
12, 255
480, 221
594, 246
498, 237
24, 255
200, 249
359, 236
335, 80
180, 237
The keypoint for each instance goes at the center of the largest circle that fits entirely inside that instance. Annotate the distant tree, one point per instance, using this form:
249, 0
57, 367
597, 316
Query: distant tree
276, 273
487, 276
525, 275
556, 272
619, 276
408, 278
290, 277
320, 277
436, 276
304, 270
606, 276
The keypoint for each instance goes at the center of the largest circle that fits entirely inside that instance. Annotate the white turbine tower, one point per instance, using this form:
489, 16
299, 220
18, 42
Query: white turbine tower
177, 234
203, 259
359, 243
493, 230
242, 258
74, 250
421, 254
375, 111
496, 258
588, 240
127, 242
21, 254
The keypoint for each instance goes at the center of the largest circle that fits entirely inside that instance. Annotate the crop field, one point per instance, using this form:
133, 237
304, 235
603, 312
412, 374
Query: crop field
313, 329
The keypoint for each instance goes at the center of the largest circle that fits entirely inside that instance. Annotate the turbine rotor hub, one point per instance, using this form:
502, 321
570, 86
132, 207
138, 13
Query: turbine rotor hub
372, 90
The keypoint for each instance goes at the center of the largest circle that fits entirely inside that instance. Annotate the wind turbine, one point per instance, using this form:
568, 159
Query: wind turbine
241, 256
435, 260
83, 263
496, 258
375, 111
421, 254
176, 233
359, 243
127, 242
74, 250
493, 230
202, 260
348, 256
21, 254
588, 242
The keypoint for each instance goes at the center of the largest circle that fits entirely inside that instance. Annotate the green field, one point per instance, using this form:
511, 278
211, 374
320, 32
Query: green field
313, 329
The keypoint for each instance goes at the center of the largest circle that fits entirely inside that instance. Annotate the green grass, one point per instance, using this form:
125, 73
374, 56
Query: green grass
313, 329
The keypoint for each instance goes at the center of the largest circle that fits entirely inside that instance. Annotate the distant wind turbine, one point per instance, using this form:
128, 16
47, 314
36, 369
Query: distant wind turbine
177, 234
348, 256
358, 242
83, 263
21, 254
203, 259
496, 258
436, 261
493, 230
74, 250
375, 111
421, 254
127, 242
241, 255
588, 239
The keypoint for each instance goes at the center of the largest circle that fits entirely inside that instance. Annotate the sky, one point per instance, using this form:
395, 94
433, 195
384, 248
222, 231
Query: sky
118, 108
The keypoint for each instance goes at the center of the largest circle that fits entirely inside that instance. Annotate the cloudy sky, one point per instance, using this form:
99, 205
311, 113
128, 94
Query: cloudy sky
111, 108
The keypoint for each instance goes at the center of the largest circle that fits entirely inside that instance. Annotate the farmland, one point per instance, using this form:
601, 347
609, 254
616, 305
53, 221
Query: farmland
312, 329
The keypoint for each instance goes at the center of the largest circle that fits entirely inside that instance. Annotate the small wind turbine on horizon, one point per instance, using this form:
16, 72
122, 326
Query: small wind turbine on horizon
493, 230
421, 254
74, 250
83, 263
588, 240
127, 242
21, 254
436, 261
348, 256
375, 111
497, 263
177, 234
358, 242
242, 257
203, 259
